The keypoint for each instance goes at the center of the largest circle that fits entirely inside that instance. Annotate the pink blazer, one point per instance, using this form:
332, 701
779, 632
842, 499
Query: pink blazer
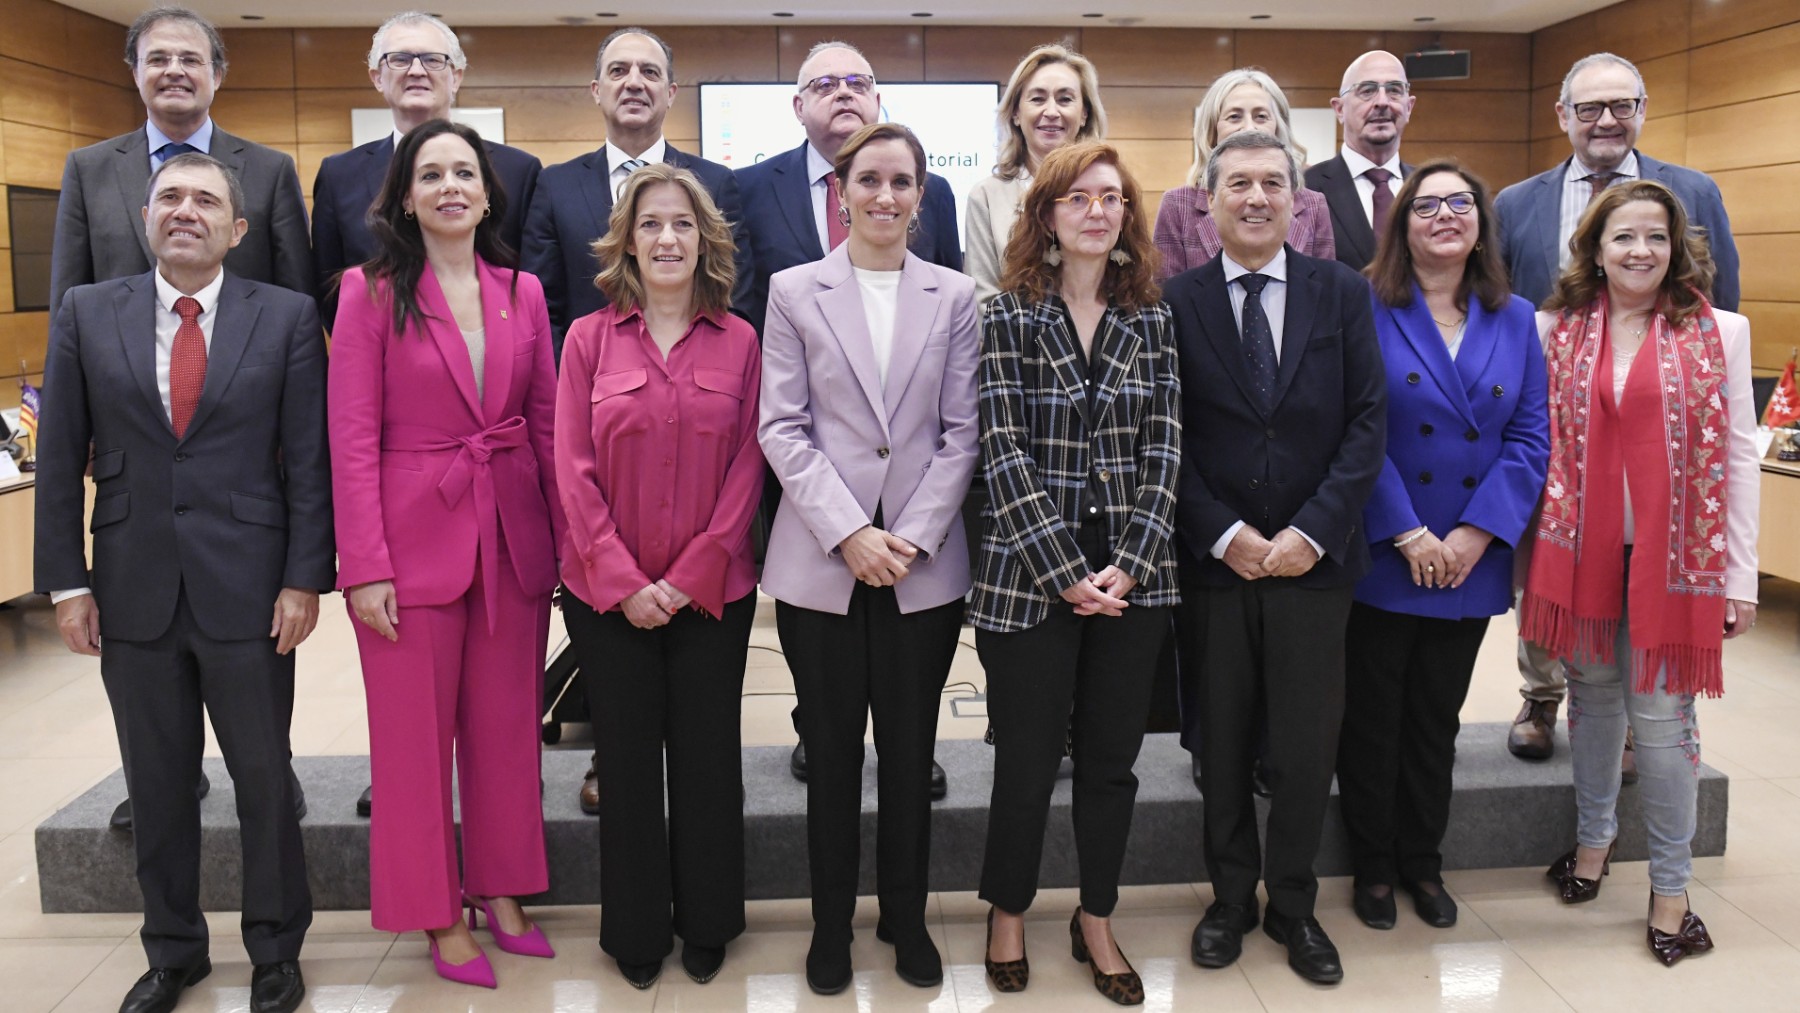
1187, 235
842, 443
422, 471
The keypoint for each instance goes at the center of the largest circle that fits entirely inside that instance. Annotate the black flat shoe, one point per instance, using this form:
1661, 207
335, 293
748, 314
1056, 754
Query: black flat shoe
1310, 951
277, 987
1006, 975
940, 785
1375, 912
797, 762
828, 969
1437, 910
365, 803
916, 958
1219, 938
160, 987
640, 976
1124, 988
702, 963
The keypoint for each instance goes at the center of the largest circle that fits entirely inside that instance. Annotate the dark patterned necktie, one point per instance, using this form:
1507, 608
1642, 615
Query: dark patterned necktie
1259, 339
1597, 184
171, 149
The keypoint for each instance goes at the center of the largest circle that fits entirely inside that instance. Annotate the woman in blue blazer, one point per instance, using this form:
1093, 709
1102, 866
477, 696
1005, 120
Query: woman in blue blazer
1468, 445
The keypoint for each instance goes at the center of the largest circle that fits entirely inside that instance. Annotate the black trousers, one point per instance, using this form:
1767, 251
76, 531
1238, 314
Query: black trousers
160, 692
1103, 668
1286, 642
669, 696
1405, 681
877, 662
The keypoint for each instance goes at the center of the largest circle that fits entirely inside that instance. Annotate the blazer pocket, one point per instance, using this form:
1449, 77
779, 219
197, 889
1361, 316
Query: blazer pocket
110, 509
720, 381
618, 382
270, 513
526, 345
109, 464
1330, 339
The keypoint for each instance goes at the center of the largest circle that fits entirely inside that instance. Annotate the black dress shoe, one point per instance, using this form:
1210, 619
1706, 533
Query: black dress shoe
1197, 786
590, 787
916, 959
160, 988
702, 963
940, 785
121, 815
1375, 912
1437, 910
364, 805
1310, 952
277, 987
883, 934
299, 794
1219, 938
640, 976
1259, 780
797, 762
828, 969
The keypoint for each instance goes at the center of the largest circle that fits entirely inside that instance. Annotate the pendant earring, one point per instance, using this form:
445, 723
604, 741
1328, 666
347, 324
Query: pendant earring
843, 216
487, 212
1599, 272
912, 224
1053, 255
1119, 256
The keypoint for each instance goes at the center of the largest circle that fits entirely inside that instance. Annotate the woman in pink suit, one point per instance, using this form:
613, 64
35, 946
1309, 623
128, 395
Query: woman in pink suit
869, 421
442, 398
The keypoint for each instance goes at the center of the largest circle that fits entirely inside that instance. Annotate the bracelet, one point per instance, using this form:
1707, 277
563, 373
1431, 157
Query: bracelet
1401, 543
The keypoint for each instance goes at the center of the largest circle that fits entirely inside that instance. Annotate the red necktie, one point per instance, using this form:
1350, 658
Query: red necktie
1383, 202
835, 228
1597, 184
187, 365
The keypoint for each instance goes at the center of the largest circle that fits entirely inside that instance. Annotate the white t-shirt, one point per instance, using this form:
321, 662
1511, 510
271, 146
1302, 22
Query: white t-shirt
881, 302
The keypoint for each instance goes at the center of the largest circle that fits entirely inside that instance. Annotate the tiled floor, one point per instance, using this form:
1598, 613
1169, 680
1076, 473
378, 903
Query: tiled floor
1515, 948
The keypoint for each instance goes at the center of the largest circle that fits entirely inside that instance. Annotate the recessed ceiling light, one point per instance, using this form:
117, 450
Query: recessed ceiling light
1093, 15
606, 14
784, 14
921, 14
1261, 17
1424, 19
251, 17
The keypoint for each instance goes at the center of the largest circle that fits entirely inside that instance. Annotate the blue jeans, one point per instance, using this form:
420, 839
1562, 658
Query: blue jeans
1668, 761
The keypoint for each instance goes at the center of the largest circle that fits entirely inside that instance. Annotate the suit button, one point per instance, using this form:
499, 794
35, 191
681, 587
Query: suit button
1499, 391
1105, 476
180, 458
1412, 378
1425, 429
1471, 436
1253, 483
1270, 433
881, 452
181, 509
1469, 482
1424, 478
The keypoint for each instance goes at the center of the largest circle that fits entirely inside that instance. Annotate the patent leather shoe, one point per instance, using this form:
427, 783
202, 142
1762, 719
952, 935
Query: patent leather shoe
1691, 940
1310, 951
1219, 938
1572, 888
160, 987
701, 963
277, 987
640, 976
1377, 912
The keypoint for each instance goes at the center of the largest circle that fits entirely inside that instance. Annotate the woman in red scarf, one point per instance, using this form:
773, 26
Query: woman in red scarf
1645, 558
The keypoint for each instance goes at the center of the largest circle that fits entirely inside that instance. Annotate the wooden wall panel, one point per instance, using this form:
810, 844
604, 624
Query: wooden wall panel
33, 94
566, 113
37, 31
1746, 134
23, 337
989, 55
267, 117
1134, 113
1161, 57
529, 57
1498, 163
1747, 67
322, 115
894, 53
717, 53
1774, 332
96, 49
1641, 30
1469, 116
1497, 61
102, 110
1666, 81
6, 291
1304, 59
331, 57
1715, 20
1767, 274
5, 221
1542, 104
260, 58
35, 155
1762, 199
1666, 138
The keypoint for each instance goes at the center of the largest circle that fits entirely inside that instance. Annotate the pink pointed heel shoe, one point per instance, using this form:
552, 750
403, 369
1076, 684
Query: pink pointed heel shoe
474, 972
531, 944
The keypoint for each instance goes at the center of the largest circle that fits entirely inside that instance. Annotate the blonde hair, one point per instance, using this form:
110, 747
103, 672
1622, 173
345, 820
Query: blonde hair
1014, 154
1207, 113
619, 276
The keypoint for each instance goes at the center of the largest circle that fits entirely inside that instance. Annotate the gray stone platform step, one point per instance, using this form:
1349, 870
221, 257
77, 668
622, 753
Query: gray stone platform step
1505, 813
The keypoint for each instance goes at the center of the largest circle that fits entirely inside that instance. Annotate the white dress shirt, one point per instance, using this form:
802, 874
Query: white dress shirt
201, 140
1365, 187
1577, 194
1274, 303
616, 158
819, 171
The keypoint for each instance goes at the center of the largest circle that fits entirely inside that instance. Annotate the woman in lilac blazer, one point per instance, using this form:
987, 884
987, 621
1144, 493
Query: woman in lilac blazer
1185, 233
869, 421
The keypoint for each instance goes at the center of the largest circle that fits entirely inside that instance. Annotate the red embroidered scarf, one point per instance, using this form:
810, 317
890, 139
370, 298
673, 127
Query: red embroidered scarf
1668, 437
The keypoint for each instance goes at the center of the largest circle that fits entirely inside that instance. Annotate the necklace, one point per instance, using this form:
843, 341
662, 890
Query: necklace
1448, 323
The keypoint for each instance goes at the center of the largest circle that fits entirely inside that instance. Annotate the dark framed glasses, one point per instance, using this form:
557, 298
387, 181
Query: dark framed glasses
1622, 109
433, 62
827, 84
1460, 203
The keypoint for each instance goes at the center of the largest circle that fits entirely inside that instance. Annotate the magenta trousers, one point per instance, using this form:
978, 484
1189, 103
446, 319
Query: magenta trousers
450, 688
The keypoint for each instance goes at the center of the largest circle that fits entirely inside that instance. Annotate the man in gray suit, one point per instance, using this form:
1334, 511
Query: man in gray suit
177, 59
202, 398
1601, 108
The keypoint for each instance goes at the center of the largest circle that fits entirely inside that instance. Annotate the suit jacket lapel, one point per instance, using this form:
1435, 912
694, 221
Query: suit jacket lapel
1549, 219
1351, 225
1477, 349
500, 324
1297, 327
132, 172
1427, 342
441, 324
1212, 306
228, 149
596, 187
1057, 344
916, 309
841, 303
135, 309
793, 191
231, 336
1118, 347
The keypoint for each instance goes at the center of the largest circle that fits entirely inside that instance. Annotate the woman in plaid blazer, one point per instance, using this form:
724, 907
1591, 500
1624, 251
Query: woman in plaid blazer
1080, 443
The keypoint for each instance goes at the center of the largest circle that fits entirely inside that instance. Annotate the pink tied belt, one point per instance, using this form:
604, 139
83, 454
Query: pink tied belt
469, 468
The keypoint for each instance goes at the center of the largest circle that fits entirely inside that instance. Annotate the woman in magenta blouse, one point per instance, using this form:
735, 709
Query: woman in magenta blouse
660, 473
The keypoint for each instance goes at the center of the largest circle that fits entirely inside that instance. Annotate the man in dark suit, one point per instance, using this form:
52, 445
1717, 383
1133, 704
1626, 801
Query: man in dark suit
202, 396
1601, 107
791, 209
1283, 434
1373, 103
417, 65
177, 60
789, 203
634, 86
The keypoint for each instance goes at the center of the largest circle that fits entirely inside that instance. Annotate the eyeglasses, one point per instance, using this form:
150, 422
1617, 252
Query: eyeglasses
1622, 109
1079, 201
433, 62
1367, 90
1460, 203
161, 61
827, 84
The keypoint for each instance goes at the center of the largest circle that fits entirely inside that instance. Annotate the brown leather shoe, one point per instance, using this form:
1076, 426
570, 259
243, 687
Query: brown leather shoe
590, 788
1533, 735
1628, 761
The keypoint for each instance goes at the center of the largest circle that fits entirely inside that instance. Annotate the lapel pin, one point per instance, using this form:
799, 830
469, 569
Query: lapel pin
503, 314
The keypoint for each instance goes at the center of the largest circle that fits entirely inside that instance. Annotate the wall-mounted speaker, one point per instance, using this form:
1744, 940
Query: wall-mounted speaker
1438, 65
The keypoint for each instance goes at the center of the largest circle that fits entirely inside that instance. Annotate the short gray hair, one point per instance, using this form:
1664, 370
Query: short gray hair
156, 16
668, 53
1594, 59
234, 190
820, 47
1250, 140
451, 42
